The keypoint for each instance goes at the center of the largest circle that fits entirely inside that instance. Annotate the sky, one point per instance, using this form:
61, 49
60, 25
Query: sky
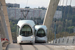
38, 3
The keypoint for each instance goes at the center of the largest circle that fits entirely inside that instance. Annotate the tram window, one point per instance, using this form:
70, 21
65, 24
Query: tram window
41, 33
18, 30
26, 31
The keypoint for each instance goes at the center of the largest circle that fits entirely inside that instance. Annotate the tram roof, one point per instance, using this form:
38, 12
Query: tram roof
40, 26
22, 22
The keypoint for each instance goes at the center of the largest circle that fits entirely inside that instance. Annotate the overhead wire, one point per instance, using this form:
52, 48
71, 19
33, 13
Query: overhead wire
57, 15
15, 18
60, 10
69, 11
26, 11
27, 3
62, 5
64, 16
67, 17
15, 9
67, 20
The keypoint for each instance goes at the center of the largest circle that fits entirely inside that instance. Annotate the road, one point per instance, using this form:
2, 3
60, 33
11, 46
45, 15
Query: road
40, 47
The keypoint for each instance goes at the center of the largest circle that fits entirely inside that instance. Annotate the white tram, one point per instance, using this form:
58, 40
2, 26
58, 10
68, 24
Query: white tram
25, 31
40, 33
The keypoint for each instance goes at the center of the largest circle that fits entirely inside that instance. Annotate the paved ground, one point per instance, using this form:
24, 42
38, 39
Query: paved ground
13, 47
27, 47
40, 47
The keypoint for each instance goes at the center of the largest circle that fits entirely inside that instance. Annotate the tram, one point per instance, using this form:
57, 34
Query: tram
25, 31
40, 33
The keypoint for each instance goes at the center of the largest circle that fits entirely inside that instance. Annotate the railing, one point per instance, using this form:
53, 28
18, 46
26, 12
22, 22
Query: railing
65, 40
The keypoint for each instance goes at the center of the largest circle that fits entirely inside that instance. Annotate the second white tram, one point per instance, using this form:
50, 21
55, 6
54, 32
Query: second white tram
25, 31
40, 33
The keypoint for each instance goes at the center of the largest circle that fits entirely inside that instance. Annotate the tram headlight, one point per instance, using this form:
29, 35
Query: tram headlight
32, 37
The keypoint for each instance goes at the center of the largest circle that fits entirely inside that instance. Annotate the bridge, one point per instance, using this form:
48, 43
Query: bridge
6, 42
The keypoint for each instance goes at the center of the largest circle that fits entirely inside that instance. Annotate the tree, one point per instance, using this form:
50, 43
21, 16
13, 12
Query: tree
70, 29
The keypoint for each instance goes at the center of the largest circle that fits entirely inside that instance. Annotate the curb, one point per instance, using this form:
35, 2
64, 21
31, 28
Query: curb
7, 46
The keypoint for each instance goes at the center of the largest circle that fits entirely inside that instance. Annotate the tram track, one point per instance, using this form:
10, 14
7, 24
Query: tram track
21, 47
47, 46
35, 47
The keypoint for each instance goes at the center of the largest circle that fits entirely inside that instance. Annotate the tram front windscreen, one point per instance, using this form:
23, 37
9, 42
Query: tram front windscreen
41, 33
26, 31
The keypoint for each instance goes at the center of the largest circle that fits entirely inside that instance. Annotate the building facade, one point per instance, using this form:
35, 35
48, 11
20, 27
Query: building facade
33, 13
9, 5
